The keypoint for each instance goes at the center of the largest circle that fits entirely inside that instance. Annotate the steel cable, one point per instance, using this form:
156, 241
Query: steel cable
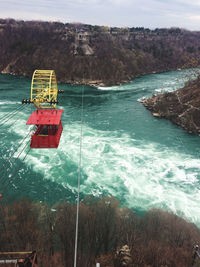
3, 178
11, 116
22, 141
79, 177
3, 117
10, 179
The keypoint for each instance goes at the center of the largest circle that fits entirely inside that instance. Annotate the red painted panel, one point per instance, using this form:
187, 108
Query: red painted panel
45, 117
49, 139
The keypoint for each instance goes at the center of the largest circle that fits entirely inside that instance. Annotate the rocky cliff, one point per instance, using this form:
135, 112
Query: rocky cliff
182, 107
94, 54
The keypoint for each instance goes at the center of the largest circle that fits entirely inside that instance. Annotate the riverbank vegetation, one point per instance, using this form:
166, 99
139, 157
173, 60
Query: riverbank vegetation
182, 107
156, 238
94, 54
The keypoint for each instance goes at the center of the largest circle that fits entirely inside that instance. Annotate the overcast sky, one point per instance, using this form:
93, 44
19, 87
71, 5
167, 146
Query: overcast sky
131, 13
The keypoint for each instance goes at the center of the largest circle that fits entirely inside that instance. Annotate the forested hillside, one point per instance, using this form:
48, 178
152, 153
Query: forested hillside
94, 54
156, 238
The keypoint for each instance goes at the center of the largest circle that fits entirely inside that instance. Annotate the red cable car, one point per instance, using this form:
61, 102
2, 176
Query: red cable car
49, 128
47, 117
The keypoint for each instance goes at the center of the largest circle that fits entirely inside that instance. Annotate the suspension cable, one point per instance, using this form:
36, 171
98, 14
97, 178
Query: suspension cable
12, 154
11, 116
79, 178
18, 117
8, 114
9, 181
4, 176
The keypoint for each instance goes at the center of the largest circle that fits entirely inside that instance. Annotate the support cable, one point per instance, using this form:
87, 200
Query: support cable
6, 119
8, 114
79, 178
18, 117
4, 176
10, 180
12, 154
10, 117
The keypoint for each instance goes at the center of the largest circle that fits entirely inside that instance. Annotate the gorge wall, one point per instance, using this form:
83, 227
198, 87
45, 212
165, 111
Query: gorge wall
94, 54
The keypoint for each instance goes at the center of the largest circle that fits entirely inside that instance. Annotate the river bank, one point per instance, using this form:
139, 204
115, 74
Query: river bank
182, 107
87, 53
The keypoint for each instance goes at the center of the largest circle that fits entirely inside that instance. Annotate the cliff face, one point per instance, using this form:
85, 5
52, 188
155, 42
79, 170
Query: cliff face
94, 54
182, 107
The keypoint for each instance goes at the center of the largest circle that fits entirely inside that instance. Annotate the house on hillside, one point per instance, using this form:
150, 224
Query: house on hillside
83, 36
81, 46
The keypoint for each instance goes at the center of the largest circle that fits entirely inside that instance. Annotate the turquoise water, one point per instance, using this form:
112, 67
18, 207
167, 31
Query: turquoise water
143, 161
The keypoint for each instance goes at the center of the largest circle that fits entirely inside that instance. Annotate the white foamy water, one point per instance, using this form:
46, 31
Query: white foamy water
143, 161
9, 103
143, 174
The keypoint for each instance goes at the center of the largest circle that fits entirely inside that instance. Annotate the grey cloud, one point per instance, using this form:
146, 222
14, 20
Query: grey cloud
147, 13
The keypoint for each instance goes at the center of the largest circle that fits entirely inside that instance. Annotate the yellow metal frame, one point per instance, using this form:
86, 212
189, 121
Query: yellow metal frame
44, 89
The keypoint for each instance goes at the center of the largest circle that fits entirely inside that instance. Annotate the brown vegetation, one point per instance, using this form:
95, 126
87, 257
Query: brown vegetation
92, 53
156, 238
182, 107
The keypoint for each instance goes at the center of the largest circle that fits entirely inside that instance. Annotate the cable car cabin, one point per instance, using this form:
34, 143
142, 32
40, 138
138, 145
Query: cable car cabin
49, 128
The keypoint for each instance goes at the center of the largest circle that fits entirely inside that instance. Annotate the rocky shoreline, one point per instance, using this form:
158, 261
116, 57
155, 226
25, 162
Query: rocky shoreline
182, 107
93, 83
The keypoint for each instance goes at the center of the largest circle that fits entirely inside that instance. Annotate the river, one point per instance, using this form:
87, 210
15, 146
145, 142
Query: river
143, 161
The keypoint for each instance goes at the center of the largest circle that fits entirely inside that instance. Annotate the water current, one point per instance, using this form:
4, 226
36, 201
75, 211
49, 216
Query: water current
141, 160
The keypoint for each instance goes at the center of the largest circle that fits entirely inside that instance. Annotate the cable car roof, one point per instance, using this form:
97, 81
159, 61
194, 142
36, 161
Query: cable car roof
45, 117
